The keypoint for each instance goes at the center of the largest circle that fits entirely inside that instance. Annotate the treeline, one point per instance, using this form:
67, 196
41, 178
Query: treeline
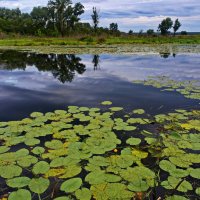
59, 17
62, 18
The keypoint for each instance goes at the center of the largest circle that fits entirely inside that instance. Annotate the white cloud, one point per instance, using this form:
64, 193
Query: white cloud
129, 14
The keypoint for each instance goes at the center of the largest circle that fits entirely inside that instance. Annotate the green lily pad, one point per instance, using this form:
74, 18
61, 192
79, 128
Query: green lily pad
83, 194
10, 171
176, 197
20, 195
106, 103
4, 149
18, 182
167, 166
198, 191
133, 141
116, 109
41, 167
195, 173
71, 185
39, 185
138, 186
38, 150
139, 111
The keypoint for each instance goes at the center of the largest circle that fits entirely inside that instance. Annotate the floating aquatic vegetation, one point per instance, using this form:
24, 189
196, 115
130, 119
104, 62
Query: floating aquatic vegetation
87, 153
190, 89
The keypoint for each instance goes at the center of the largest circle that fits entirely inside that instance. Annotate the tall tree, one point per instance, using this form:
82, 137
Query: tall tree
95, 18
176, 26
113, 27
165, 26
64, 15
40, 19
60, 7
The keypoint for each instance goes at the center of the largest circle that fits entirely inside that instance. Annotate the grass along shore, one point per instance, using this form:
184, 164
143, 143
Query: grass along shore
40, 41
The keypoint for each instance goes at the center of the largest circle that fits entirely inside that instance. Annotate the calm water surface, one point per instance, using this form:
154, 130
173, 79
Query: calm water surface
38, 82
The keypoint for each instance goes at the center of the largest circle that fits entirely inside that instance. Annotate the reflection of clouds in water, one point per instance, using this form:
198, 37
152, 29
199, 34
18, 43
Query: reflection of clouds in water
140, 67
129, 68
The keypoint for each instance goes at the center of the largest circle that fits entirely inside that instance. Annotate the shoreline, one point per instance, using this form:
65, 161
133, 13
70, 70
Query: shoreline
110, 49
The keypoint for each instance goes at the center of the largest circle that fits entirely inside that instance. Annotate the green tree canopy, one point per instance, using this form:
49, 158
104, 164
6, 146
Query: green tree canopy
165, 26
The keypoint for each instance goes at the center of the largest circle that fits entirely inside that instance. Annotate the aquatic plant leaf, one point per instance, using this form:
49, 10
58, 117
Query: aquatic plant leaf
32, 142
54, 144
38, 150
167, 166
10, 171
176, 197
173, 182
111, 191
97, 177
83, 194
18, 182
179, 162
116, 109
150, 140
195, 173
106, 103
179, 173
133, 141
27, 161
41, 167
192, 124
20, 195
138, 186
36, 114
4, 149
39, 185
71, 185
139, 154
63, 198
198, 191
139, 111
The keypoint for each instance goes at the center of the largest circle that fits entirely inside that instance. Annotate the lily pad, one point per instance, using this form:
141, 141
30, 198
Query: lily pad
106, 103
41, 167
133, 141
83, 194
18, 182
71, 185
20, 195
39, 185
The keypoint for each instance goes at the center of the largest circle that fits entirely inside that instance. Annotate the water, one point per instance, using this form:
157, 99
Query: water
37, 82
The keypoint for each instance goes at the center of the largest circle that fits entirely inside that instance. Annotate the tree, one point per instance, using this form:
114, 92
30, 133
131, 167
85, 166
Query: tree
130, 32
74, 13
60, 7
176, 26
95, 18
40, 18
184, 33
150, 32
165, 26
114, 28
65, 15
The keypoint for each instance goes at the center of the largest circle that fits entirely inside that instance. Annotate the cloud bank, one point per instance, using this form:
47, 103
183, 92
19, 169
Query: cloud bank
129, 14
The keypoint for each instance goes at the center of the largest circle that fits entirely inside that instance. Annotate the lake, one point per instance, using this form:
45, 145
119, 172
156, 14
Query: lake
37, 82
101, 127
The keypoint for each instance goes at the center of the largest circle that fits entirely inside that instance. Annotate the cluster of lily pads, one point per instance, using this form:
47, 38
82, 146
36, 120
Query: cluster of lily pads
104, 154
190, 89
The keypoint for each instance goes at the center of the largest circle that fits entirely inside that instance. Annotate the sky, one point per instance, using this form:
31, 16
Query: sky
133, 15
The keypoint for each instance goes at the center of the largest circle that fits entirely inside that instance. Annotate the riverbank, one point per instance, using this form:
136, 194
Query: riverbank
167, 49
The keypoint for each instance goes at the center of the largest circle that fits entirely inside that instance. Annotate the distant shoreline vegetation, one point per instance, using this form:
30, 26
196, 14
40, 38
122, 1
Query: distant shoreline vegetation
62, 19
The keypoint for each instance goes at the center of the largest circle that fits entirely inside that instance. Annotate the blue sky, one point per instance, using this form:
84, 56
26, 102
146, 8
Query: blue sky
130, 14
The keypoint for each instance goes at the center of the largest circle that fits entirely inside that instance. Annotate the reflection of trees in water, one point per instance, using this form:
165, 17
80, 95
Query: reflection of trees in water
167, 55
95, 61
63, 67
